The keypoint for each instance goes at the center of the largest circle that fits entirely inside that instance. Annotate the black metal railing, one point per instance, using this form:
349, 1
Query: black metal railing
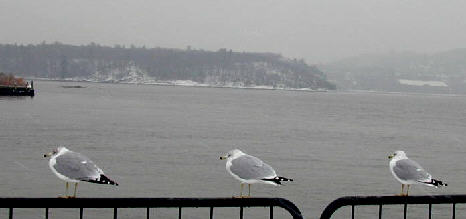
380, 201
148, 203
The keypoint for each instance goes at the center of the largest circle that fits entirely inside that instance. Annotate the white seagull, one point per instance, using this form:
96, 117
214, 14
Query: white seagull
249, 169
408, 172
73, 167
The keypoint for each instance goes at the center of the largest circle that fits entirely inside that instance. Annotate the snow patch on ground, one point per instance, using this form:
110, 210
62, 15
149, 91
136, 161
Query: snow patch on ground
133, 75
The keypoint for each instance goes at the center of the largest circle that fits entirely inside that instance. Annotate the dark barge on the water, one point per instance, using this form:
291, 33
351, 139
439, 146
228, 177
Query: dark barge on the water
10, 90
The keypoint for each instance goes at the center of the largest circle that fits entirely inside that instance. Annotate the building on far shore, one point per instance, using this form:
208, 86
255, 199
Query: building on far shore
423, 86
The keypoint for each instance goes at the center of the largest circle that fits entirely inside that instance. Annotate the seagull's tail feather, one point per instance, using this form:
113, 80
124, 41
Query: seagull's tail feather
102, 180
278, 180
107, 180
436, 183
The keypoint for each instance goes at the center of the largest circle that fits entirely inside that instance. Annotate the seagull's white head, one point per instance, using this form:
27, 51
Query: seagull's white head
397, 155
232, 154
55, 151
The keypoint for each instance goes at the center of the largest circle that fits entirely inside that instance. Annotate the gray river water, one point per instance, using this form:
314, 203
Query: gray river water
164, 141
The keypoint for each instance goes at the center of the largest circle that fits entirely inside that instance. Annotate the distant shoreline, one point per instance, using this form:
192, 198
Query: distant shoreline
182, 83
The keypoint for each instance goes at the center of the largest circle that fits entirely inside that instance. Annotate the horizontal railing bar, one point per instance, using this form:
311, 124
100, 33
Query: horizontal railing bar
139, 202
389, 200
148, 203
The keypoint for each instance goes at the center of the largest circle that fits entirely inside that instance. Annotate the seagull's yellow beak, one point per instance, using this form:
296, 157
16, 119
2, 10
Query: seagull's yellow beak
390, 156
47, 154
223, 157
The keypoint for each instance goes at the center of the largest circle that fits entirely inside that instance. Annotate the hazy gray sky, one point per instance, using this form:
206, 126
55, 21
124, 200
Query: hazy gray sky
316, 30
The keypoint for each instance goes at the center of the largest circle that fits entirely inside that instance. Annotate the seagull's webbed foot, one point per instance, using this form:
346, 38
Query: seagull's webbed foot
401, 194
242, 196
66, 196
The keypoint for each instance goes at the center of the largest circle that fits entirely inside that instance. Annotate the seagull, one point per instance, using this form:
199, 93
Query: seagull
249, 170
408, 172
73, 167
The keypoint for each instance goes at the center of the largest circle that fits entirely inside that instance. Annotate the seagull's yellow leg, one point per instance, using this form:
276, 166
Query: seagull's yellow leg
241, 193
75, 188
66, 191
402, 189
407, 190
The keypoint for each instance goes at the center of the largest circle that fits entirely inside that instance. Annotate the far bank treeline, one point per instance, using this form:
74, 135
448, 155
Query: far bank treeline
103, 63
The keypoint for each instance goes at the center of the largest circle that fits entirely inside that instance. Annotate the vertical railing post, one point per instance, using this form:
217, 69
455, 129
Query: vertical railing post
454, 211
241, 212
211, 213
352, 211
380, 211
10, 214
115, 213
271, 212
81, 212
430, 211
179, 213
147, 213
46, 213
405, 209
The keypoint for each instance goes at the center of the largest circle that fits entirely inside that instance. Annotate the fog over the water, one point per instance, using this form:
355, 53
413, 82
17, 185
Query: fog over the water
316, 30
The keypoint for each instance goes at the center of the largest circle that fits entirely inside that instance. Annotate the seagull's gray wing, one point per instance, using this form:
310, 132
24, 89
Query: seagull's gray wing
76, 166
249, 167
407, 169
